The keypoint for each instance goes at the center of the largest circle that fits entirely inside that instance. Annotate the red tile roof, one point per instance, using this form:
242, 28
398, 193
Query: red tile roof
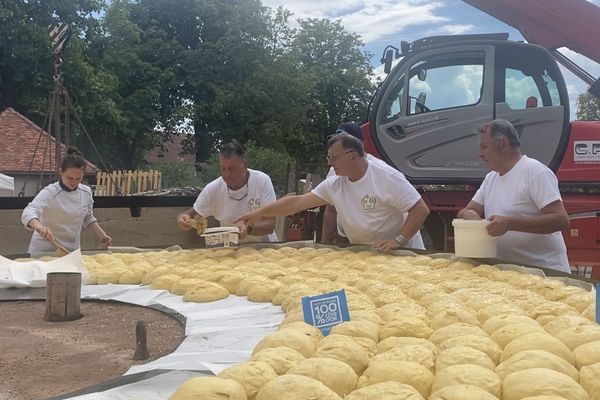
19, 138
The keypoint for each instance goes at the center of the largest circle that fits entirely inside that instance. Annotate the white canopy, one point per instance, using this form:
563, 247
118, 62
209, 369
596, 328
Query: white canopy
7, 185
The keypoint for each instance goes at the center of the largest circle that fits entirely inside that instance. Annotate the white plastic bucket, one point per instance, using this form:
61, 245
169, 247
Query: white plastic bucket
472, 240
221, 237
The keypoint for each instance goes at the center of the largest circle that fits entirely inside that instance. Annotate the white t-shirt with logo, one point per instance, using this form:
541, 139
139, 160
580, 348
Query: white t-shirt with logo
63, 212
226, 206
374, 207
522, 192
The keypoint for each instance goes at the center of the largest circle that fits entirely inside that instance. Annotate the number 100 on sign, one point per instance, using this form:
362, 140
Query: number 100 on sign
326, 310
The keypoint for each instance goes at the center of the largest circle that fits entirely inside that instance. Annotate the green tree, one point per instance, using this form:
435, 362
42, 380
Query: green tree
588, 107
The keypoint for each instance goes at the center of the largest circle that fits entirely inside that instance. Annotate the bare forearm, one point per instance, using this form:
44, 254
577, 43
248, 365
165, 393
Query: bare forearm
415, 219
329, 224
287, 206
96, 229
263, 227
543, 224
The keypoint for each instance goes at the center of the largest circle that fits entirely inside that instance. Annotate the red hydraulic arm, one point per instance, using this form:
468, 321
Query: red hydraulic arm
574, 24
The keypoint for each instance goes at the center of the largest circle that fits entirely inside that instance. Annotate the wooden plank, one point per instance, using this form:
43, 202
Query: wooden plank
63, 296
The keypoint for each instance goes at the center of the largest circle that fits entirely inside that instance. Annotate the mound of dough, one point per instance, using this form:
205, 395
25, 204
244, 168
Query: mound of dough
587, 354
281, 359
541, 381
413, 353
588, 376
389, 390
406, 372
463, 355
455, 330
496, 322
363, 328
563, 322
468, 374
205, 292
209, 388
347, 351
536, 359
291, 338
295, 387
462, 392
392, 342
507, 333
575, 336
252, 376
336, 375
538, 341
481, 343
405, 326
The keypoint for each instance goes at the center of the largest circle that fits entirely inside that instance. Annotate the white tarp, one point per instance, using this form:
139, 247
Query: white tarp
7, 185
32, 274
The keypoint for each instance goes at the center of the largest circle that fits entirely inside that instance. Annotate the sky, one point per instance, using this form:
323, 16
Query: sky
383, 22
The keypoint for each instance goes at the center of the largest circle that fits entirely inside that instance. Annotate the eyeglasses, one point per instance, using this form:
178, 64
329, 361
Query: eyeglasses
332, 159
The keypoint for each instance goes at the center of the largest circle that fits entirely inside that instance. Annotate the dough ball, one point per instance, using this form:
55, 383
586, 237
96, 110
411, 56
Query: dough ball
264, 292
538, 341
365, 315
498, 321
588, 376
336, 375
536, 359
231, 280
541, 381
507, 333
587, 354
281, 359
462, 392
575, 336
308, 330
252, 375
468, 374
455, 330
366, 343
291, 338
365, 329
209, 388
405, 326
590, 312
481, 343
413, 353
392, 342
296, 387
449, 317
347, 351
206, 292
562, 322
164, 282
463, 355
406, 372
131, 277
389, 390
183, 285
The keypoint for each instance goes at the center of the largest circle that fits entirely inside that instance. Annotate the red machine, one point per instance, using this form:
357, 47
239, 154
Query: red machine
424, 114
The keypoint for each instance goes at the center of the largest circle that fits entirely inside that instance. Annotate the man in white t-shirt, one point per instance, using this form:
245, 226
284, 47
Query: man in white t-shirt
331, 231
237, 191
375, 203
520, 198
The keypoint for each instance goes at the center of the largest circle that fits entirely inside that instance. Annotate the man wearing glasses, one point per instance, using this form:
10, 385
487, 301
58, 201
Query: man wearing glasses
520, 198
237, 191
375, 203
331, 232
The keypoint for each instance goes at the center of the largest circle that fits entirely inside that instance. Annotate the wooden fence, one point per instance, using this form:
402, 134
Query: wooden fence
127, 182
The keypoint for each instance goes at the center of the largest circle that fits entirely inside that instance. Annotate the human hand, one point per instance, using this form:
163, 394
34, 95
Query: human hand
498, 225
243, 230
471, 214
386, 245
46, 233
248, 219
105, 241
183, 220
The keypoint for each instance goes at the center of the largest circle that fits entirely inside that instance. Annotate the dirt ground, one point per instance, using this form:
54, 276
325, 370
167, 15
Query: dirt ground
40, 359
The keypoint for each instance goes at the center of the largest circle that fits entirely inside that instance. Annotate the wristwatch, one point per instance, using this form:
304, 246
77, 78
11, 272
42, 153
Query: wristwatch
401, 240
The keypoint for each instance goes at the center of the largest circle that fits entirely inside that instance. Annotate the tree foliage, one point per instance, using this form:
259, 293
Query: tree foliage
140, 71
588, 107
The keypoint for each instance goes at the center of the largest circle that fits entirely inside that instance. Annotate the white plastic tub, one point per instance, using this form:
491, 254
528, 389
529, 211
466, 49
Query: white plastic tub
221, 237
472, 240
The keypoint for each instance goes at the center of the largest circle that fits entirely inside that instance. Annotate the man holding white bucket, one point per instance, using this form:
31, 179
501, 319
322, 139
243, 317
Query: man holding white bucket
520, 198
237, 191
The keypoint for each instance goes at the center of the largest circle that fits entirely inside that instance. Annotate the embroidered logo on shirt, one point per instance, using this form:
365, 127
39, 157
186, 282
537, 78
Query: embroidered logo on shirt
253, 204
368, 202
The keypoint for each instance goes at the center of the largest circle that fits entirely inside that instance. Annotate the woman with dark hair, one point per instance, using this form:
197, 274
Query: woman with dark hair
62, 208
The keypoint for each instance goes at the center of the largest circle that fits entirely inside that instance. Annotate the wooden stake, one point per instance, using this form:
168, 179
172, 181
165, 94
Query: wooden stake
63, 296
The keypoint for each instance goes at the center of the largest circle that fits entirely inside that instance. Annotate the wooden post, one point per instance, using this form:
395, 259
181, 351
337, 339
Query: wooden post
63, 296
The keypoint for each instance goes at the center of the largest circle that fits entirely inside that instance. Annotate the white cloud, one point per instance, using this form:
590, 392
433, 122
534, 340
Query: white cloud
450, 30
370, 19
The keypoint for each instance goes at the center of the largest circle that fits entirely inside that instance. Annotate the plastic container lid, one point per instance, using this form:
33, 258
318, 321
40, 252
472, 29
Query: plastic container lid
472, 240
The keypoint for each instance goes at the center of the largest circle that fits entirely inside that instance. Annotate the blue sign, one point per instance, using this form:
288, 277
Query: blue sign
326, 310
597, 304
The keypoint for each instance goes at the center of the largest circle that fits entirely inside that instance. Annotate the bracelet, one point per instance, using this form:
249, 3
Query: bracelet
401, 240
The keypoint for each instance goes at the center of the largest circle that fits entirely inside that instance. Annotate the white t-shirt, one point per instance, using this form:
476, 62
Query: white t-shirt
227, 206
63, 212
522, 192
374, 207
